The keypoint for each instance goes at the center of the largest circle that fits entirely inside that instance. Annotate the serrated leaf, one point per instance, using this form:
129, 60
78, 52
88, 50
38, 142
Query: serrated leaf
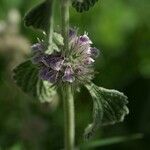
26, 76
109, 107
83, 5
39, 16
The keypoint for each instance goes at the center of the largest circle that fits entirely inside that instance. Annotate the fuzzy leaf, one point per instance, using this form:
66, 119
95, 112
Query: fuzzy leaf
58, 39
56, 44
83, 5
109, 108
26, 76
39, 16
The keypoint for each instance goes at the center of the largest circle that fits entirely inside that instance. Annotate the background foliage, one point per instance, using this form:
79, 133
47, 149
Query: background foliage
121, 30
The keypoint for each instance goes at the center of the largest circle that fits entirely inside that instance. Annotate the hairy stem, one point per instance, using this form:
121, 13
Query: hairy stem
69, 123
65, 24
67, 90
51, 23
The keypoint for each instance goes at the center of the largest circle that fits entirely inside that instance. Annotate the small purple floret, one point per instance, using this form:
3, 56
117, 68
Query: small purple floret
48, 74
72, 33
44, 73
84, 39
53, 75
94, 52
38, 47
68, 75
54, 62
36, 59
88, 61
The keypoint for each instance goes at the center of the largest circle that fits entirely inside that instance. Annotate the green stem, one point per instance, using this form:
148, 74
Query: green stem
67, 90
51, 23
65, 24
69, 123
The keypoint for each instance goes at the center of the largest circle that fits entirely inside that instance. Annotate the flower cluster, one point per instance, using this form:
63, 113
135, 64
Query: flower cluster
76, 65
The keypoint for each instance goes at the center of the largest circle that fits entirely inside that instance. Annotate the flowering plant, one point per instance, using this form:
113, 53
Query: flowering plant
75, 67
65, 61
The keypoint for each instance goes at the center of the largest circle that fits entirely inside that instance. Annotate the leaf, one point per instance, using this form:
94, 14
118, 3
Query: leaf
109, 108
58, 39
39, 16
56, 44
111, 141
26, 76
83, 5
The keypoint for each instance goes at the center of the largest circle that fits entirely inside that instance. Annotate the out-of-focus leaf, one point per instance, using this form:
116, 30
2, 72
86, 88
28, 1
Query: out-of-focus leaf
17, 146
109, 108
26, 76
83, 5
110, 141
39, 16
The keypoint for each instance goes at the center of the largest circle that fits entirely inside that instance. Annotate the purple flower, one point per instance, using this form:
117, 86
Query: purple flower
44, 73
94, 52
88, 61
38, 47
54, 62
84, 39
53, 76
72, 33
68, 75
59, 67
48, 74
38, 52
37, 58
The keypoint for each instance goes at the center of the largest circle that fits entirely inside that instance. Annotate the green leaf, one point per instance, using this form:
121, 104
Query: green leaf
83, 5
109, 108
39, 16
56, 44
111, 141
26, 76
58, 39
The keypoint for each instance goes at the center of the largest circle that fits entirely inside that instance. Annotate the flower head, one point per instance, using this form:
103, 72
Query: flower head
59, 67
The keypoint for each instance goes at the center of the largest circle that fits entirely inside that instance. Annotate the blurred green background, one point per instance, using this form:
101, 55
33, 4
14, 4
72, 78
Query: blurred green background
121, 30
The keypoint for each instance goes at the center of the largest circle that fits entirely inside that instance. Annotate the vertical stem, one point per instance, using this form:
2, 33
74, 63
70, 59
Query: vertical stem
67, 90
69, 117
65, 23
51, 23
